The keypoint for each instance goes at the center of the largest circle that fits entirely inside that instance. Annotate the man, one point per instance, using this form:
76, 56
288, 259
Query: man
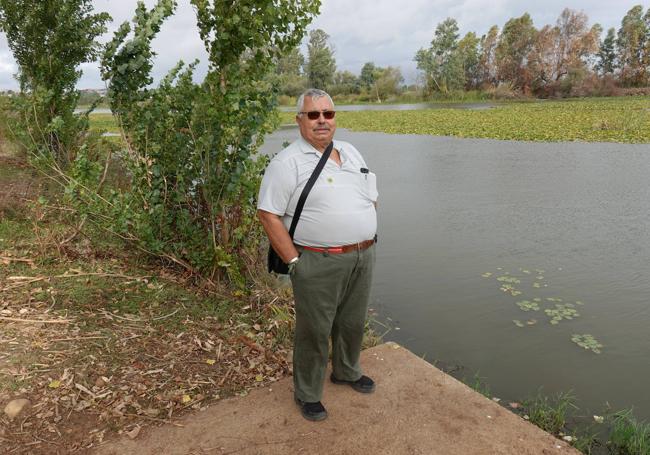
332, 254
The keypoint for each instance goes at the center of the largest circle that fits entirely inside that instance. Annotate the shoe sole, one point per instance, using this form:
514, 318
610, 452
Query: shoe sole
352, 384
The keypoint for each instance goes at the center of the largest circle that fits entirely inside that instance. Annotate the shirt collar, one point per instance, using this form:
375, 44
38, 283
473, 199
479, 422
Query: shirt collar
306, 147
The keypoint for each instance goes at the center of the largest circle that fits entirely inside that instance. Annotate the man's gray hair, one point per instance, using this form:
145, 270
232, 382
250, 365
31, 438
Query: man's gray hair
314, 94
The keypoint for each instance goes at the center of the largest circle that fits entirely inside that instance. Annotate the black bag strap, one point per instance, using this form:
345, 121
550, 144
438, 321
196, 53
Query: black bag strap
308, 186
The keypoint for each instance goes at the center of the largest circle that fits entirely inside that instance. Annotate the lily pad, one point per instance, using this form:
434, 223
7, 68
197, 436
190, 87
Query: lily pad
508, 279
588, 342
527, 305
561, 312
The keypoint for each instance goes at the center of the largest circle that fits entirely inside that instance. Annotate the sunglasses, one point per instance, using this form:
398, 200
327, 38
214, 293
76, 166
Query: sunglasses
315, 115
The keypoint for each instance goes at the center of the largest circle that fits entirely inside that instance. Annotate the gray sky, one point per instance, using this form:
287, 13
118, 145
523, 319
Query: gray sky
386, 32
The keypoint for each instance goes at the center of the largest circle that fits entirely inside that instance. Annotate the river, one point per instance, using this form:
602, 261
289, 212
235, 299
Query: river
569, 221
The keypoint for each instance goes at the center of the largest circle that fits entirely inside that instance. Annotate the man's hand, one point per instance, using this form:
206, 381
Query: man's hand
278, 235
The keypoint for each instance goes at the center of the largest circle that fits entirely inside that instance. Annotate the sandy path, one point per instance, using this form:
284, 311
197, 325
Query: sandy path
416, 409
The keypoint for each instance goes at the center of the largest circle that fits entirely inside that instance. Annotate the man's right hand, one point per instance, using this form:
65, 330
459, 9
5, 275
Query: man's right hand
278, 235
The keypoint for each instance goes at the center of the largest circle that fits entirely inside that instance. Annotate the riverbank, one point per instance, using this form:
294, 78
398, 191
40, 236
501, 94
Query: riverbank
416, 409
95, 339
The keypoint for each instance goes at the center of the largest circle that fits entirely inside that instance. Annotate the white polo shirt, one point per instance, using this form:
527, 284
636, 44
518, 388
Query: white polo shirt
340, 207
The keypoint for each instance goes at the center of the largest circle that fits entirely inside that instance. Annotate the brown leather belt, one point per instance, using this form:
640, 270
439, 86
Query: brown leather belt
343, 248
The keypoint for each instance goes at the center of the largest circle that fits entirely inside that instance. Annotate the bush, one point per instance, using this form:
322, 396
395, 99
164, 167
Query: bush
191, 148
504, 91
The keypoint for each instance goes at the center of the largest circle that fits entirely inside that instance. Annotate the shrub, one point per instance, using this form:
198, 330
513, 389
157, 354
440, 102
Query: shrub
191, 148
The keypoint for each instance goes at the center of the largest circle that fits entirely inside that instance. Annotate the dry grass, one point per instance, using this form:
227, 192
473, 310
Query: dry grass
101, 342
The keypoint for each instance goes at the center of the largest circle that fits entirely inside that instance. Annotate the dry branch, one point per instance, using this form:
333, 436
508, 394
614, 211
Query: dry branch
43, 321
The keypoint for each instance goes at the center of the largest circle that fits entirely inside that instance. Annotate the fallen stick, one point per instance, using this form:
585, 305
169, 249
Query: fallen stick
22, 280
13, 259
44, 321
79, 338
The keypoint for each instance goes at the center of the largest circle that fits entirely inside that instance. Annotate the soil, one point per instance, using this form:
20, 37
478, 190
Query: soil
416, 409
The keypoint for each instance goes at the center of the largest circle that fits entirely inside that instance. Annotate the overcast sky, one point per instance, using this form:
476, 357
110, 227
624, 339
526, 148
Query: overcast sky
386, 32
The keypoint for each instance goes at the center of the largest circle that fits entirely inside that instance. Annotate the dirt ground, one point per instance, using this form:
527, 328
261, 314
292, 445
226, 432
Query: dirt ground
416, 409
98, 340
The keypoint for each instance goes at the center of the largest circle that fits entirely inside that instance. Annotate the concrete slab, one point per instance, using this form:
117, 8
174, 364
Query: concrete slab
416, 409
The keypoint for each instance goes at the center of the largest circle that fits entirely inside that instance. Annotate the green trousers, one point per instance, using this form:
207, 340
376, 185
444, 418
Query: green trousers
331, 292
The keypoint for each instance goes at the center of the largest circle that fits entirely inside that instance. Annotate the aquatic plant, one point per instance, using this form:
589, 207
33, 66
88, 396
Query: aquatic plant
561, 312
626, 119
527, 305
629, 436
588, 342
550, 413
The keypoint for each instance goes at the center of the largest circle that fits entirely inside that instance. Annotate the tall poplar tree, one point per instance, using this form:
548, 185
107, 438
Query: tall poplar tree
633, 47
487, 66
441, 64
515, 43
607, 55
321, 64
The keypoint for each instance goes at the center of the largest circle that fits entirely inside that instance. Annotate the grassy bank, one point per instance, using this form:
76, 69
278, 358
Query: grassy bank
104, 122
610, 433
591, 120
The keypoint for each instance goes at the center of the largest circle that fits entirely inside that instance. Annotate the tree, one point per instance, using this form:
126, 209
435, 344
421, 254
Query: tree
607, 54
289, 71
321, 65
368, 75
562, 53
632, 47
192, 147
487, 66
388, 82
542, 58
50, 40
515, 43
345, 83
575, 42
440, 62
468, 54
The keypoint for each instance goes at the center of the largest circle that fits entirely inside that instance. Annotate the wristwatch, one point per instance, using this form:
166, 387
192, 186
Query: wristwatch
292, 264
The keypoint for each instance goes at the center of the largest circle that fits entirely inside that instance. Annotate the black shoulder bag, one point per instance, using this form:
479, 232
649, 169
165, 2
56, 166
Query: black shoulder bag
275, 263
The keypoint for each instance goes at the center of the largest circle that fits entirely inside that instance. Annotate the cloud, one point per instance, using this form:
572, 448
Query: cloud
386, 32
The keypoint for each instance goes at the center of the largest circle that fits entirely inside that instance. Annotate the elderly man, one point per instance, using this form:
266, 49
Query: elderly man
332, 253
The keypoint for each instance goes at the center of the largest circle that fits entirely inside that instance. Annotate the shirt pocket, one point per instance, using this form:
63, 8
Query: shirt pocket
369, 185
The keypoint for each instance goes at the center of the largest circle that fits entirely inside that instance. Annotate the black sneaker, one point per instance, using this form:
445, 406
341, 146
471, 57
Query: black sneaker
364, 384
312, 411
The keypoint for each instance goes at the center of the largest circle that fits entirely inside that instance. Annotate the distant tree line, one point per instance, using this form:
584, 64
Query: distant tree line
566, 59
570, 58
295, 73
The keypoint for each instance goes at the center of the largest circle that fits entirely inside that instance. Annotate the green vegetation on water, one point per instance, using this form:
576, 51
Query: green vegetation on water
515, 283
590, 120
104, 122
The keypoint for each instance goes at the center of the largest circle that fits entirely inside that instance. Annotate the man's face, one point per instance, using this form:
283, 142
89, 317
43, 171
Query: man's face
319, 132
